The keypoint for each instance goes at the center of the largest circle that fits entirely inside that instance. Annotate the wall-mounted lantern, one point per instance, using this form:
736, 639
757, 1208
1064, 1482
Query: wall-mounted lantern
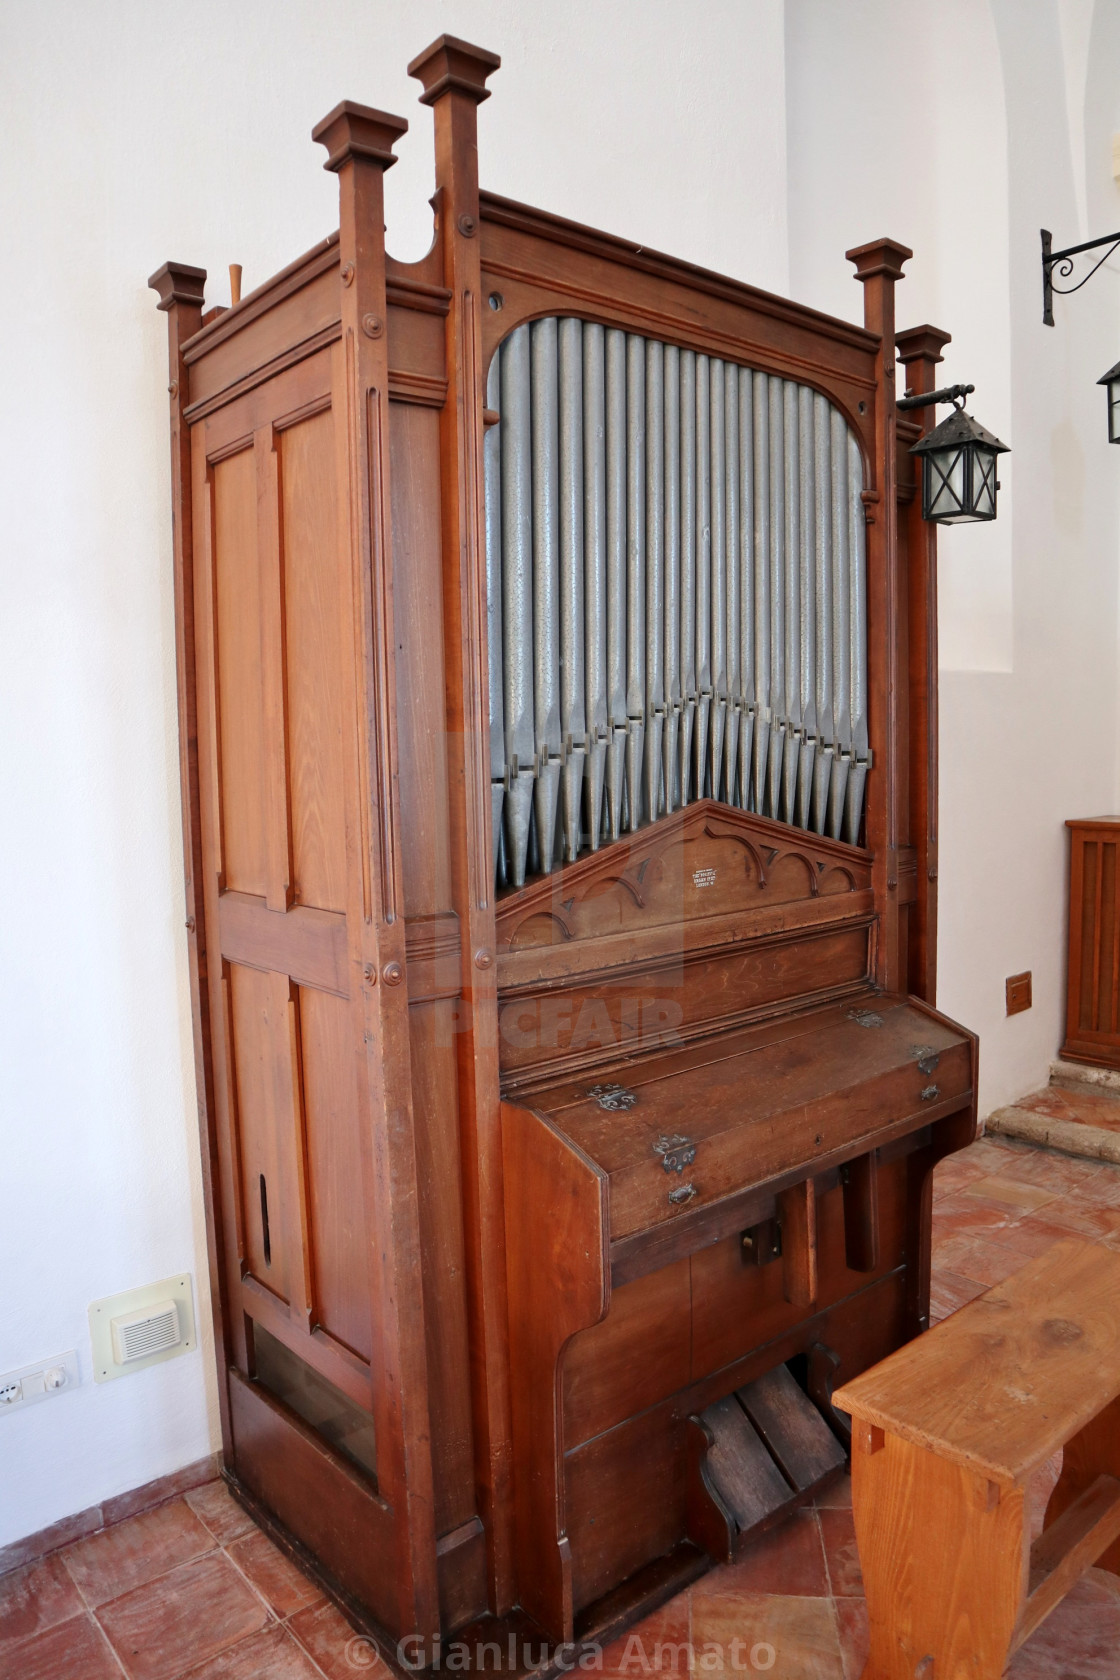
1063, 262
958, 458
1111, 380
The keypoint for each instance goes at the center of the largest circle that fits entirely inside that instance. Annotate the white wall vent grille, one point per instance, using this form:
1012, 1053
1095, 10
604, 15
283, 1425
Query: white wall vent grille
140, 1327
137, 1334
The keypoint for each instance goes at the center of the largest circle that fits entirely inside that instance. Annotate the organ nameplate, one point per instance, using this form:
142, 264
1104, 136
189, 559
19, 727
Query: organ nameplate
703, 877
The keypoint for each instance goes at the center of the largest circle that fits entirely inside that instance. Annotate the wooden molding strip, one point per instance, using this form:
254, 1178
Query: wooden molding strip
317, 261
556, 230
307, 945
424, 388
268, 370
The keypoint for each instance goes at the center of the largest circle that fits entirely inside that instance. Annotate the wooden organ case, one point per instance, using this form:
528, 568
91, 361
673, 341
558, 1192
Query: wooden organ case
556, 644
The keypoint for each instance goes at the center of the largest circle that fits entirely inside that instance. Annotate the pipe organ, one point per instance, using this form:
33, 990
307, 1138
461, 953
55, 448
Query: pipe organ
675, 578
556, 647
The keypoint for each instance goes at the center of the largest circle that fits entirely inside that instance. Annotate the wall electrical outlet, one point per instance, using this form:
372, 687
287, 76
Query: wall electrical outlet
41, 1381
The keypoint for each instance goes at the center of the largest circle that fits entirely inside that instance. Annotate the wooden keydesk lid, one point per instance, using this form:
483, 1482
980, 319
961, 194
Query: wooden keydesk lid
1003, 1383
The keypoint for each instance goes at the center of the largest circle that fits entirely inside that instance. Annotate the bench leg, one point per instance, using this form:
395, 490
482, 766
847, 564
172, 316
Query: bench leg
1093, 1452
944, 1562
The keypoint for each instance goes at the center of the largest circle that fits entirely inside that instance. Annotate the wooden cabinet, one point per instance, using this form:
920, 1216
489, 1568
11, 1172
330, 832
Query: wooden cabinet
557, 694
1093, 975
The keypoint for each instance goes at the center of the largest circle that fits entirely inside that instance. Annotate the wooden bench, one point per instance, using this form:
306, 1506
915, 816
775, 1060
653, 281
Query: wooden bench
947, 1434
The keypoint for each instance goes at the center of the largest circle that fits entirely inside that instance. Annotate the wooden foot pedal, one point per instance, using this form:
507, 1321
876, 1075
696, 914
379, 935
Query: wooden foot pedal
759, 1453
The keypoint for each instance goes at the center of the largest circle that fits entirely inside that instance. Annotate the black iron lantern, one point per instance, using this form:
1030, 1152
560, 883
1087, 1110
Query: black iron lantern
1111, 380
959, 481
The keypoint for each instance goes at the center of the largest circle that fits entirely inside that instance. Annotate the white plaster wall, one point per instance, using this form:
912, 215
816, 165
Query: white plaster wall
993, 130
134, 135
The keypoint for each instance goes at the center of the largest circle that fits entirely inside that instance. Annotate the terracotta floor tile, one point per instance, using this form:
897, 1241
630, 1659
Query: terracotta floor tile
1063, 1173
801, 1633
1105, 1187
141, 1499
340, 1651
841, 1554
1011, 1192
1033, 1236
113, 1562
34, 1598
980, 1258
1079, 1641
271, 1655
963, 1211
74, 1651
283, 1586
855, 1638
837, 1496
955, 1172
789, 1559
219, 1510
182, 1619
995, 1154
661, 1641
949, 1292
1083, 1218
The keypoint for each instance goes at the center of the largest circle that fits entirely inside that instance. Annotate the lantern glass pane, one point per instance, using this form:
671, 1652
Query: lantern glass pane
984, 484
1114, 411
946, 483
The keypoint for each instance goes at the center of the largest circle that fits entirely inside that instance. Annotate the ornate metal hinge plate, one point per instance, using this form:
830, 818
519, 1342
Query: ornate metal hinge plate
926, 1057
676, 1152
614, 1098
865, 1017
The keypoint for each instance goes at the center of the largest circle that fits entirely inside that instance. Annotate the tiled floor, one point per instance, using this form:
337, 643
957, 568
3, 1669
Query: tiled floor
194, 1589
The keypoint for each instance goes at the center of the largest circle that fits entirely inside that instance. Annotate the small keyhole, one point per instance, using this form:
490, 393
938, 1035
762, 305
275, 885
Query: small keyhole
264, 1222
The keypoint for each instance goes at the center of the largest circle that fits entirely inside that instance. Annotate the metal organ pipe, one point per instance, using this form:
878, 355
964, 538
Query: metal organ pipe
676, 582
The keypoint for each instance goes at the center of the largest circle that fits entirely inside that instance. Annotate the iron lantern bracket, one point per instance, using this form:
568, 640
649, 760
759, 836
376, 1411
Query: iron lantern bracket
948, 393
1063, 260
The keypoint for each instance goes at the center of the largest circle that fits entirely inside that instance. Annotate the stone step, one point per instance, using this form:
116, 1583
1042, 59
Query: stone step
1072, 1137
1072, 1076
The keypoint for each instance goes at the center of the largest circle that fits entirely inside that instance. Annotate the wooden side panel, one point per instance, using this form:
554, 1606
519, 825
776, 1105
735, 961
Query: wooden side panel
439, 1182
434, 987
315, 1494
418, 599
1093, 996
314, 627
337, 1215
640, 1353
626, 1500
237, 642
276, 692
558, 1284
255, 1001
